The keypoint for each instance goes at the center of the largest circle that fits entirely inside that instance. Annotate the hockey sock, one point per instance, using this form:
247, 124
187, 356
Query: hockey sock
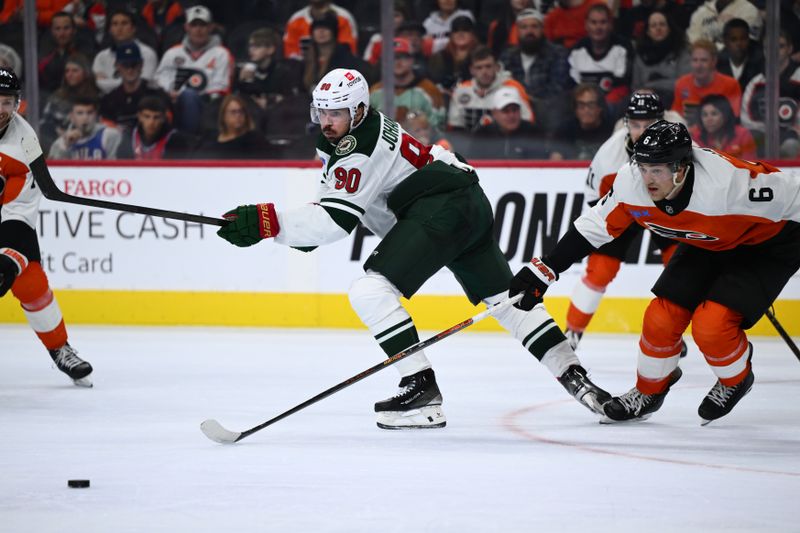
600, 271
717, 332
377, 302
660, 344
40, 306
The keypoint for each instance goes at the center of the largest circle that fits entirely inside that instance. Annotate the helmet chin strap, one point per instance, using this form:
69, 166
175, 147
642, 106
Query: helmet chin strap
676, 185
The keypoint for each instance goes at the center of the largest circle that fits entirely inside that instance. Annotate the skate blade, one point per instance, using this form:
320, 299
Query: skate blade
608, 421
429, 417
705, 422
84, 382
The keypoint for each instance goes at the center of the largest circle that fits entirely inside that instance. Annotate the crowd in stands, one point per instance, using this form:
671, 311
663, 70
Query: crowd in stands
491, 79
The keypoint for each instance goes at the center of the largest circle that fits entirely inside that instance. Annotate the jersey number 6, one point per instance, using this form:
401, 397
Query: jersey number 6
347, 180
764, 194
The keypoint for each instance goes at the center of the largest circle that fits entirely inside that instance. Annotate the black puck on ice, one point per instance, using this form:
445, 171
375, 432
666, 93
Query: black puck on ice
78, 483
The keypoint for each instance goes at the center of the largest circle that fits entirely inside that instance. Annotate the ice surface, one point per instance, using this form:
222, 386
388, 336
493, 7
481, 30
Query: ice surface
517, 454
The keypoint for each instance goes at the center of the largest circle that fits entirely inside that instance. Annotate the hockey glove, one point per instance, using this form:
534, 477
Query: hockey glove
250, 224
12, 263
533, 283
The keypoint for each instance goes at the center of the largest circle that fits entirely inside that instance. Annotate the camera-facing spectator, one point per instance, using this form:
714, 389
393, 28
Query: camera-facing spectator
471, 104
565, 23
78, 82
662, 56
266, 77
503, 32
580, 136
438, 24
122, 29
297, 37
64, 44
86, 138
704, 79
710, 17
451, 65
718, 129
121, 105
754, 102
197, 71
411, 91
236, 137
740, 57
508, 136
603, 58
154, 138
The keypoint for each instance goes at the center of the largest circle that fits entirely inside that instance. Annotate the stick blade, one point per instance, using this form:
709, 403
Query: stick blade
214, 431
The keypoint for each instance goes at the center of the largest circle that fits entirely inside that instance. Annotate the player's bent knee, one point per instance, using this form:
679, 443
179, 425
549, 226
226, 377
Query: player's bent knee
715, 327
31, 284
664, 322
373, 294
601, 270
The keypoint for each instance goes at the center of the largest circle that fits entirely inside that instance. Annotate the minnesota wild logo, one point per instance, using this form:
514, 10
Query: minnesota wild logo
346, 145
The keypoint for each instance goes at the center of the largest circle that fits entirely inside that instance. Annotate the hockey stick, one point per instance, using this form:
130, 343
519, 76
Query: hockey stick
782, 333
214, 430
51, 191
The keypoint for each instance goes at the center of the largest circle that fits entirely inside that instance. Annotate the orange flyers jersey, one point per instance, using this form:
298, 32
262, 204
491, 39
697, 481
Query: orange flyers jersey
733, 202
605, 164
20, 197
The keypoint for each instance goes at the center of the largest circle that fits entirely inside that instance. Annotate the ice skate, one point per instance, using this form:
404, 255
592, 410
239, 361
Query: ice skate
67, 360
573, 338
684, 348
417, 405
634, 406
578, 384
721, 399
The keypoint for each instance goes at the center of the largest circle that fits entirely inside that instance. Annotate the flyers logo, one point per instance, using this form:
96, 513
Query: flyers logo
670, 233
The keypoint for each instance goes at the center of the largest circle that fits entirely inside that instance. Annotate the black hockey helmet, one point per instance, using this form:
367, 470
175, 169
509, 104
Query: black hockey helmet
644, 106
9, 83
664, 142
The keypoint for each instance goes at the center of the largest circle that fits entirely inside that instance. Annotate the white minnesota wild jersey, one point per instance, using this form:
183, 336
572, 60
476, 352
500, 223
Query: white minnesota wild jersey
358, 175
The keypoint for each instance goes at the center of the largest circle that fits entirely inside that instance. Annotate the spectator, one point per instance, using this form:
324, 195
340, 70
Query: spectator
471, 104
503, 31
632, 20
451, 65
154, 138
411, 91
236, 137
78, 82
89, 18
85, 138
121, 105
421, 44
541, 67
196, 72
708, 20
739, 58
603, 58
51, 66
718, 129
508, 136
565, 23
298, 28
754, 102
790, 21
10, 59
326, 53
122, 29
419, 127
438, 25
374, 48
661, 57
163, 17
703, 79
581, 135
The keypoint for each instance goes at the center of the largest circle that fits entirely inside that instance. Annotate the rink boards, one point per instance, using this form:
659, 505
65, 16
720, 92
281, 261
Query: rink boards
111, 267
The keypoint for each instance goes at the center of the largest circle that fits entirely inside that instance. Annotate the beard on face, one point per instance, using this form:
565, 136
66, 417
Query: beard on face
530, 45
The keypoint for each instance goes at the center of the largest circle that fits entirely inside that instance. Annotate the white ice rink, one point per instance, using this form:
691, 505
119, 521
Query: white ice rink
517, 455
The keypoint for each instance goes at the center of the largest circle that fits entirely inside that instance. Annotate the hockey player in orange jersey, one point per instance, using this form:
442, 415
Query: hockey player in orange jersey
738, 225
20, 262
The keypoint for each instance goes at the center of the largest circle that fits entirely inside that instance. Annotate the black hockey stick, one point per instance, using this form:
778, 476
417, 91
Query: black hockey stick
214, 430
782, 333
51, 191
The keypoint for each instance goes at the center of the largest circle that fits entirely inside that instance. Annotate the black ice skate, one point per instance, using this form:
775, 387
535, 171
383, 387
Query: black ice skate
721, 399
633, 405
418, 404
578, 384
573, 338
67, 360
684, 348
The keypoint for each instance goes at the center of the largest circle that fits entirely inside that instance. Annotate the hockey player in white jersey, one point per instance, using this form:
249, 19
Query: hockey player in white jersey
603, 264
429, 211
738, 225
20, 259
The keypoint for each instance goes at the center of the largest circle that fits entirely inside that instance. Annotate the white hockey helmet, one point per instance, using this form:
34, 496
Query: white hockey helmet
341, 88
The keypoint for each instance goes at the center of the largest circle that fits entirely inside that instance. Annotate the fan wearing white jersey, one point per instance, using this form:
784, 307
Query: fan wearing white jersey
20, 259
603, 264
430, 212
738, 225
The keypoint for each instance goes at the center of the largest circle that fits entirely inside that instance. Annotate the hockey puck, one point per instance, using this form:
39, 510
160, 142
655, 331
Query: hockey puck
78, 483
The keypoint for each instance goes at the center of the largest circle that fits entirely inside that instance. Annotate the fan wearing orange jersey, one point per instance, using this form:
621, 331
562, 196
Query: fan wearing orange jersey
738, 228
20, 260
